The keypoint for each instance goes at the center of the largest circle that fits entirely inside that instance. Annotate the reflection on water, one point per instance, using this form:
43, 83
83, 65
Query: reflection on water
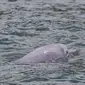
28, 24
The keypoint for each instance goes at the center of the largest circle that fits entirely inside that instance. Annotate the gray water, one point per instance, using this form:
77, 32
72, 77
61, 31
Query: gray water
28, 24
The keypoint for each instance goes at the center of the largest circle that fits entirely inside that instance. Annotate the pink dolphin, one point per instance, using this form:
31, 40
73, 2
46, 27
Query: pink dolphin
52, 53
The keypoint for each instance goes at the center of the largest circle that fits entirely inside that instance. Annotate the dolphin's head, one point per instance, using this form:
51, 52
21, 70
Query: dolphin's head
69, 52
64, 49
64, 54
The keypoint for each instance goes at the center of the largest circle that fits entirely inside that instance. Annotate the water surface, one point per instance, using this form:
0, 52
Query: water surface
28, 24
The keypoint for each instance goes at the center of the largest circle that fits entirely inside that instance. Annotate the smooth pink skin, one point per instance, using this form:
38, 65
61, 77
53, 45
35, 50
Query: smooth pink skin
49, 53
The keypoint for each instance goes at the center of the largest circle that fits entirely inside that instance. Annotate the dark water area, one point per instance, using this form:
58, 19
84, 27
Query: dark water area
28, 24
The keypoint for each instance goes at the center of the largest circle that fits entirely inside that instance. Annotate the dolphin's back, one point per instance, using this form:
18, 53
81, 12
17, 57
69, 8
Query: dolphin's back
48, 53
